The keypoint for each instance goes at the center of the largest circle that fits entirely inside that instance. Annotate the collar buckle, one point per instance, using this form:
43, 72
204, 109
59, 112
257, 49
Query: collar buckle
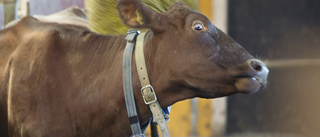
148, 94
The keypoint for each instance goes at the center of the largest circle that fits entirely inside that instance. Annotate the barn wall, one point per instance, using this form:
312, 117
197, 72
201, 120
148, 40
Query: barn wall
1, 16
287, 34
8, 10
40, 7
45, 7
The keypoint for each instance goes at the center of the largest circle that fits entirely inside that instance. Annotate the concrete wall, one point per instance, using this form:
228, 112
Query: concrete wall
8, 11
40, 7
1, 16
287, 34
45, 7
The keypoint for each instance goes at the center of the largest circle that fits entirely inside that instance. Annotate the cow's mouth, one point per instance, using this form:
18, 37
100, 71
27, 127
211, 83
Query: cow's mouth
253, 79
249, 84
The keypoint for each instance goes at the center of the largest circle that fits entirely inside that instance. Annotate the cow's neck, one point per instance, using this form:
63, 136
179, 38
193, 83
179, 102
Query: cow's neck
168, 92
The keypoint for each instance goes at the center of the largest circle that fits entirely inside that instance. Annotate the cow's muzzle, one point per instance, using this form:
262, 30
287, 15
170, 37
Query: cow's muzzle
255, 77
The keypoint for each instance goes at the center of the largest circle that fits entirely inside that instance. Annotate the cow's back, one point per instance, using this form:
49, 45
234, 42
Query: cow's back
25, 30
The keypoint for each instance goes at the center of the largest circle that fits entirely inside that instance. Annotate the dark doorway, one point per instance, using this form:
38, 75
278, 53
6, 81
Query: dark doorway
286, 33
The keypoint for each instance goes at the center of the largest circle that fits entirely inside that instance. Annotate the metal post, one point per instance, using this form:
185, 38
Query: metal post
1, 14
9, 10
22, 8
220, 19
194, 117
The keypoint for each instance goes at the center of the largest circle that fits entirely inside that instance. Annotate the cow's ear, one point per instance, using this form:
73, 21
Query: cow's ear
136, 15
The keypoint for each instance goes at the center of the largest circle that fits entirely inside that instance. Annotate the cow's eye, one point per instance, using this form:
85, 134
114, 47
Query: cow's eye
198, 26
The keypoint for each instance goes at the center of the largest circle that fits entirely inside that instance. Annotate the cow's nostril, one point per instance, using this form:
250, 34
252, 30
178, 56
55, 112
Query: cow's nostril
256, 65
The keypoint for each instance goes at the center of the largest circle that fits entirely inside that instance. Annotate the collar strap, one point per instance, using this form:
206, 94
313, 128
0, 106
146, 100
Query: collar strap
147, 90
127, 84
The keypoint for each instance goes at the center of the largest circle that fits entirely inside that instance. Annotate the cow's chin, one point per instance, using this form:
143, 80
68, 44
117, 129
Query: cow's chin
248, 85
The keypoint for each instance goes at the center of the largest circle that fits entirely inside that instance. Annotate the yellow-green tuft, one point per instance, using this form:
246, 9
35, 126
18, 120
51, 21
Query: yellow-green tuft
104, 18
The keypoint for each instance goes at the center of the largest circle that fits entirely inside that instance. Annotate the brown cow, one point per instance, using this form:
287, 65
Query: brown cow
65, 81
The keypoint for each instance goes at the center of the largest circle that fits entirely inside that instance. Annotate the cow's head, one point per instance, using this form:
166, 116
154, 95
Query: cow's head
192, 52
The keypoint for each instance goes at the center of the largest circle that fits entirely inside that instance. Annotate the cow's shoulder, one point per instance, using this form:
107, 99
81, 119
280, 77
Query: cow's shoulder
37, 25
36, 40
72, 16
36, 31
11, 38
22, 31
